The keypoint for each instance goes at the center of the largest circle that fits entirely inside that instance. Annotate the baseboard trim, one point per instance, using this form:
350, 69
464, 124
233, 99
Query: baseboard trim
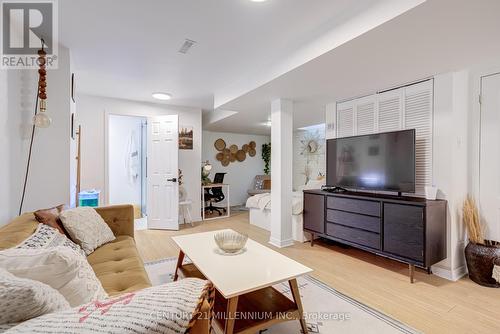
450, 274
281, 243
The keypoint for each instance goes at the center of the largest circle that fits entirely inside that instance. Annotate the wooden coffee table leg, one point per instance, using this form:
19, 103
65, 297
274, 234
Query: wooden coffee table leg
296, 297
232, 305
179, 264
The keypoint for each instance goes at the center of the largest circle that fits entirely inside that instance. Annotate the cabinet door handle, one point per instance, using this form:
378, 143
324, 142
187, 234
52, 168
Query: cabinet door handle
172, 179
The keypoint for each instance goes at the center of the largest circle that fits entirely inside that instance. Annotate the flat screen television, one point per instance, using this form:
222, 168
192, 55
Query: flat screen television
383, 161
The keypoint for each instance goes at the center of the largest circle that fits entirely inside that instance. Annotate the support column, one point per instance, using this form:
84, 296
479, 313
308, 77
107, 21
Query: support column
281, 171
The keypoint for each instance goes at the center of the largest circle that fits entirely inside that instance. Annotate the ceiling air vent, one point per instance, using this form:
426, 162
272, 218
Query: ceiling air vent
188, 44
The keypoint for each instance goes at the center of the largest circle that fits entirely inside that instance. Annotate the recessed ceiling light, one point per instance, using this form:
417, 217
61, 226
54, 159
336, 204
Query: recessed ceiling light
258, 0
162, 96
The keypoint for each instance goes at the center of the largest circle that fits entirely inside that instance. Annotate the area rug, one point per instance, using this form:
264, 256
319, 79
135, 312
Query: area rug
326, 310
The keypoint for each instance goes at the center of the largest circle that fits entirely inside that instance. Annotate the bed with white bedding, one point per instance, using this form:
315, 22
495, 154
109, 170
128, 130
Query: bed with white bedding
259, 207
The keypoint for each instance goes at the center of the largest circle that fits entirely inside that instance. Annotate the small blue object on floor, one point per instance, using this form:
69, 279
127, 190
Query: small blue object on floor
89, 198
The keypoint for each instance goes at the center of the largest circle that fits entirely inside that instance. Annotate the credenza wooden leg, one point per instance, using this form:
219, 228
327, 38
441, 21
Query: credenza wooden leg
312, 239
179, 264
412, 272
294, 287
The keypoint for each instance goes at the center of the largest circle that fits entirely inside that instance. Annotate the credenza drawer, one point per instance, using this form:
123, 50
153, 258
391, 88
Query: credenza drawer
371, 208
360, 237
354, 220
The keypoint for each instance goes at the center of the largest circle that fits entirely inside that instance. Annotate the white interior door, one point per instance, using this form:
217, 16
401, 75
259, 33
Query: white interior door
490, 156
163, 159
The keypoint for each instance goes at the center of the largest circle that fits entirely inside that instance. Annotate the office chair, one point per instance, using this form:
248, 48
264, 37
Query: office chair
215, 195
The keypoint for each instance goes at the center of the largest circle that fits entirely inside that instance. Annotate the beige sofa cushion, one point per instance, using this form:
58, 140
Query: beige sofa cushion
119, 267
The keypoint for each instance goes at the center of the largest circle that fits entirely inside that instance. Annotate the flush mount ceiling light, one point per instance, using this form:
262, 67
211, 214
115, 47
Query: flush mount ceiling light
258, 0
162, 96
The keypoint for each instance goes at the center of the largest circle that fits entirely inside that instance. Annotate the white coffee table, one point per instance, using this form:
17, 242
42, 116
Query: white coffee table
244, 295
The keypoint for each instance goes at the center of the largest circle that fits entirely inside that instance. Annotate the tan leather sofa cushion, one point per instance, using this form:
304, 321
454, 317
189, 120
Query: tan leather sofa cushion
120, 218
119, 267
18, 230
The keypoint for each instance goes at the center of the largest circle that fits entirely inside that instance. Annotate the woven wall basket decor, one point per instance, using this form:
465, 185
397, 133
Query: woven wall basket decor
241, 155
233, 148
220, 144
219, 156
229, 154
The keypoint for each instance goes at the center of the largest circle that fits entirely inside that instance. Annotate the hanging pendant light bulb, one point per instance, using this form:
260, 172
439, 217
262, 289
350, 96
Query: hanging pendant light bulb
41, 119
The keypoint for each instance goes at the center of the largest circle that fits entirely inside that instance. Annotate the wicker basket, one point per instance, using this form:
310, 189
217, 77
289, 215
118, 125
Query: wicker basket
480, 261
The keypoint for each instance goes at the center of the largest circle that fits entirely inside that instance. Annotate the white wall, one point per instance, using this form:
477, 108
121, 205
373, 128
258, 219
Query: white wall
50, 179
450, 167
240, 175
303, 163
92, 114
6, 209
123, 189
50, 175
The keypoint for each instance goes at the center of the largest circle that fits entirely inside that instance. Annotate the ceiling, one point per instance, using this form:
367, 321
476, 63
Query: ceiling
129, 49
438, 36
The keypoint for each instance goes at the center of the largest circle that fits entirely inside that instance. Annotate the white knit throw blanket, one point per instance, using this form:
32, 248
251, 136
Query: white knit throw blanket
167, 308
496, 273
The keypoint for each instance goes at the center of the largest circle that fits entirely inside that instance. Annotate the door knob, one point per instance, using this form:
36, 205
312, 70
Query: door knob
172, 179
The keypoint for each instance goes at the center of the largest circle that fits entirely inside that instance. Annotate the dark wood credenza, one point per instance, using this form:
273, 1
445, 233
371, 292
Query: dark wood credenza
408, 229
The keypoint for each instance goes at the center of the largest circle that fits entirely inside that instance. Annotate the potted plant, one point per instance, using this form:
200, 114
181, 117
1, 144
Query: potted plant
266, 156
480, 254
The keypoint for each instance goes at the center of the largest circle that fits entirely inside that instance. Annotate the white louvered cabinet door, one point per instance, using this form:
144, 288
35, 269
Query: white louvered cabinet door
390, 111
409, 107
365, 116
345, 120
418, 106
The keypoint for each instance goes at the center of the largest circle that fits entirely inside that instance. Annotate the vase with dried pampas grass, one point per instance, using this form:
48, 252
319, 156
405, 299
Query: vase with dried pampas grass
472, 222
480, 254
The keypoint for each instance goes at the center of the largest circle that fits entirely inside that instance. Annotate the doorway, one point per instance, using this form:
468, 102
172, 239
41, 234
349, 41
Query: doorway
142, 168
489, 170
127, 152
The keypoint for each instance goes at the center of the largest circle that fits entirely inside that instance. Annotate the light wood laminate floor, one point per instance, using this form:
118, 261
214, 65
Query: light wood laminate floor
431, 304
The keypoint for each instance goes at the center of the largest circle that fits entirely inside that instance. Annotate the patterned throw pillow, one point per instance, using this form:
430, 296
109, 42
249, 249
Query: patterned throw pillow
166, 308
46, 236
87, 228
50, 217
61, 268
22, 299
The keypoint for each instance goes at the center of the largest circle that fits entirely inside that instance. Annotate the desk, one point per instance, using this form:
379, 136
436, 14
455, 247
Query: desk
215, 185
